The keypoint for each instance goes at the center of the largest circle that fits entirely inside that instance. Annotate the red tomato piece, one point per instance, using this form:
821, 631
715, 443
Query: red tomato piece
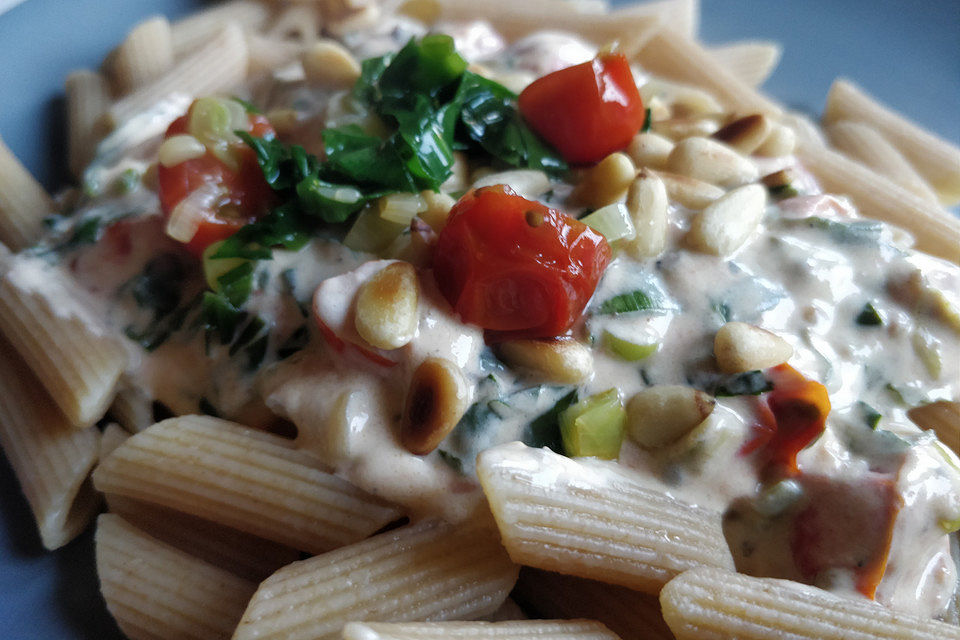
586, 111
247, 194
515, 266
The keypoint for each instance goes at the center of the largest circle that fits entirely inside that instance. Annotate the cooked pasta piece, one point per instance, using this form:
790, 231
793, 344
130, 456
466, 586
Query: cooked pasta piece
87, 99
132, 407
267, 54
23, 203
943, 418
935, 159
299, 22
632, 615
218, 65
242, 554
674, 57
512, 630
247, 480
144, 55
682, 16
751, 60
198, 29
426, 571
75, 357
704, 604
936, 231
514, 20
592, 519
864, 144
155, 591
50, 458
113, 436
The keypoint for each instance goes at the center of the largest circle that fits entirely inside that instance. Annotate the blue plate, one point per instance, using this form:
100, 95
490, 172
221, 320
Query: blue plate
908, 59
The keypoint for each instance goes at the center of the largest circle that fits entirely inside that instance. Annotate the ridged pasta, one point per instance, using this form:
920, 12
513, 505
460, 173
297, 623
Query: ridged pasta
243, 479
75, 357
593, 520
87, 98
113, 436
267, 54
674, 57
513, 630
23, 203
936, 231
300, 22
751, 60
240, 553
426, 571
943, 418
710, 604
157, 592
864, 144
132, 407
198, 29
632, 615
50, 458
217, 66
934, 158
144, 55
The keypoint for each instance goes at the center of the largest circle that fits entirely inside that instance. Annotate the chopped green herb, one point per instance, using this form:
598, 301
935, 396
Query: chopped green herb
544, 431
869, 316
220, 318
127, 181
451, 460
158, 287
647, 121
297, 341
86, 232
235, 285
870, 415
723, 310
751, 383
783, 191
247, 106
855, 232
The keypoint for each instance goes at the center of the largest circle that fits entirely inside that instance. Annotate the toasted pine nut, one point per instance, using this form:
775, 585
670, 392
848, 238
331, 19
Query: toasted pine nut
781, 141
726, 224
649, 149
691, 193
438, 208
529, 183
426, 11
740, 347
284, 121
943, 418
746, 134
680, 128
436, 401
711, 161
180, 148
660, 415
783, 183
327, 63
386, 306
647, 203
606, 182
684, 100
558, 359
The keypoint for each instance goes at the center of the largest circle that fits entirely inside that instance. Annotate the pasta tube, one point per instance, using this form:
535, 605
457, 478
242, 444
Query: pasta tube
427, 571
145, 54
87, 98
707, 604
512, 630
23, 203
593, 520
752, 60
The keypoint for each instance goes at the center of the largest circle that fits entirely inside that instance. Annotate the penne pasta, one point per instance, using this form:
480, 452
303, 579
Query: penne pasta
132, 407
298, 22
50, 458
593, 520
681, 16
677, 58
936, 232
240, 478
707, 604
267, 54
512, 630
241, 554
632, 615
935, 159
144, 55
426, 571
226, 52
87, 98
865, 145
75, 357
23, 203
155, 591
943, 418
198, 29
752, 61
112, 436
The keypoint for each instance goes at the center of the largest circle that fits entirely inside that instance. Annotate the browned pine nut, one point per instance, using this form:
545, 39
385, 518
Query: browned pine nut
436, 401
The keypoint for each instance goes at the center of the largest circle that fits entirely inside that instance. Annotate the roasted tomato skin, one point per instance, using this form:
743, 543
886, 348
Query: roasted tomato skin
586, 111
516, 267
247, 194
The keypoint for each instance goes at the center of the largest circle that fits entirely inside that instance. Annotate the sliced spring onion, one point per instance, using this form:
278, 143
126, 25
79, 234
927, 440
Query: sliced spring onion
371, 233
401, 207
180, 148
213, 268
213, 122
594, 426
612, 221
186, 216
630, 350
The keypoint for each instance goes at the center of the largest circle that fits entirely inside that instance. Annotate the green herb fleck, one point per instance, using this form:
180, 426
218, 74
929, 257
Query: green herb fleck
869, 316
871, 417
451, 460
544, 431
647, 121
629, 302
751, 383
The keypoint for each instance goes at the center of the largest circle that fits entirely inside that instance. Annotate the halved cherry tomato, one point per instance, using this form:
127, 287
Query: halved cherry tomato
516, 267
789, 418
586, 111
247, 196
